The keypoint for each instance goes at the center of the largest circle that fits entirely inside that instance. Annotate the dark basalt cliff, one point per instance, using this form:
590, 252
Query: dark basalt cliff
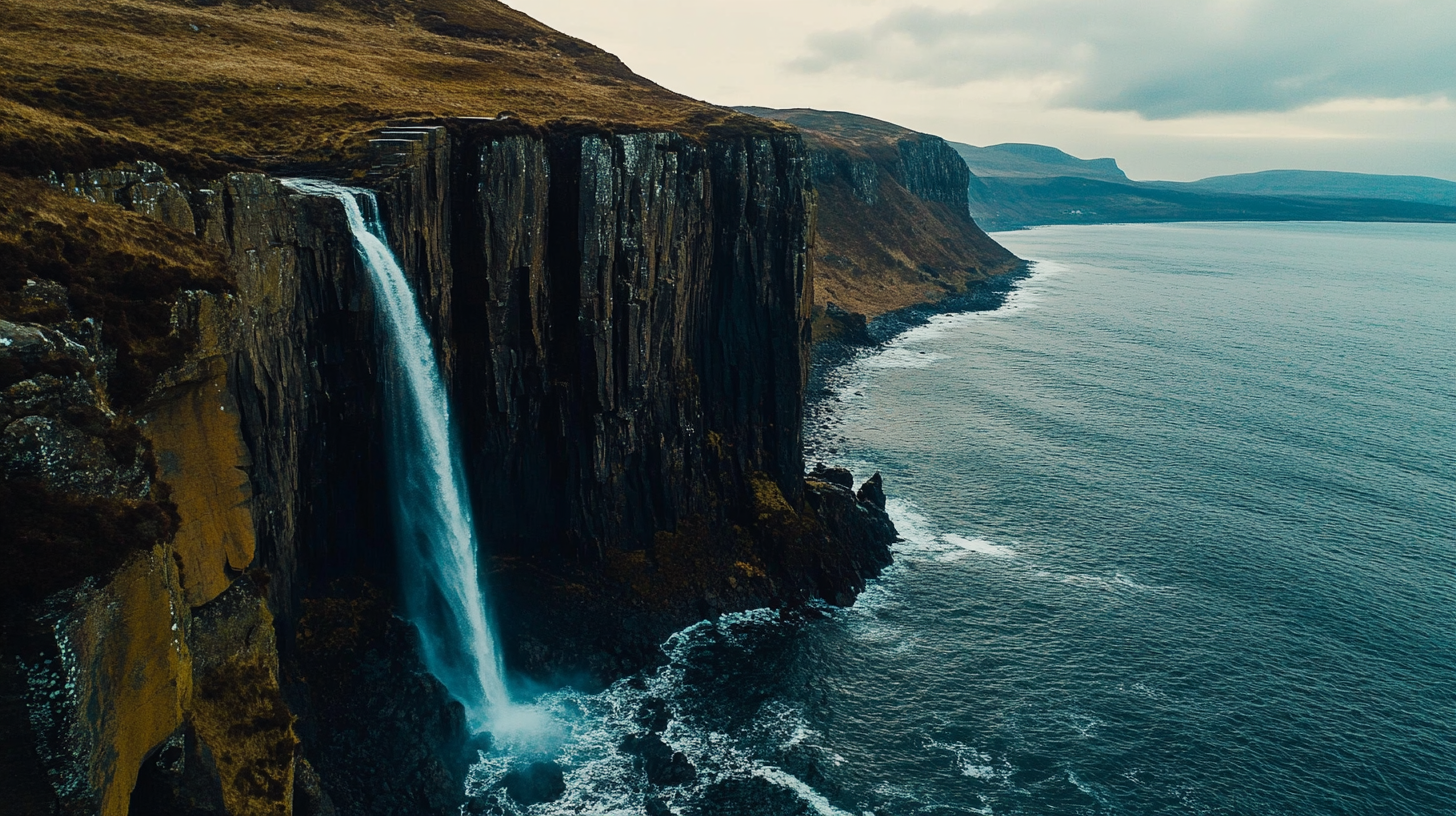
894, 228
634, 360
198, 600
623, 321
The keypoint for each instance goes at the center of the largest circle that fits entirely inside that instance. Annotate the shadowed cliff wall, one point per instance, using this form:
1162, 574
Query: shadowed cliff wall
618, 303
623, 320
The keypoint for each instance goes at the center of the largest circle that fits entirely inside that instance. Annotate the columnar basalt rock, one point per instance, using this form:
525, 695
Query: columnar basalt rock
619, 301
931, 169
623, 320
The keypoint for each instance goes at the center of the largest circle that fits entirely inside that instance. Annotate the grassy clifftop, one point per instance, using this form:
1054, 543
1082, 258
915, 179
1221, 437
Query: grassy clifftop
893, 226
205, 86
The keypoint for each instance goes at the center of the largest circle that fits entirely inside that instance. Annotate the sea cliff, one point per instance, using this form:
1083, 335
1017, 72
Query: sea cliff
623, 322
200, 608
894, 228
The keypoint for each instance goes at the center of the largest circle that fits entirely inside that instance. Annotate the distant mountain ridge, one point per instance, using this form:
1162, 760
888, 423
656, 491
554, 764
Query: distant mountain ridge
1327, 184
1024, 185
1016, 160
1016, 185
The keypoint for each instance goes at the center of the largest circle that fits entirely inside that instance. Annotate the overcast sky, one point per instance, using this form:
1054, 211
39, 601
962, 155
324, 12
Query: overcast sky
1173, 89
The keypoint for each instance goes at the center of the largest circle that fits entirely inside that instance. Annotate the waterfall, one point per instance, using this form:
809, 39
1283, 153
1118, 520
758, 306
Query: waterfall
439, 558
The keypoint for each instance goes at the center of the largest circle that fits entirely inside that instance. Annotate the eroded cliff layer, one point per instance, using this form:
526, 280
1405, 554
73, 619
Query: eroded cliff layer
623, 320
894, 227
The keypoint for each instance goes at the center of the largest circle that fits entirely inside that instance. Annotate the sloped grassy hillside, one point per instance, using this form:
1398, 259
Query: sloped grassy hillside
204, 86
894, 228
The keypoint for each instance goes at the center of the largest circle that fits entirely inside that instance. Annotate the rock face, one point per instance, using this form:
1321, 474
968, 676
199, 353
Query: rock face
620, 302
932, 170
535, 784
894, 227
623, 321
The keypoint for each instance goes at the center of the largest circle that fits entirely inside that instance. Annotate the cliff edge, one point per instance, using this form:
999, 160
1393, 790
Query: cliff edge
894, 228
199, 609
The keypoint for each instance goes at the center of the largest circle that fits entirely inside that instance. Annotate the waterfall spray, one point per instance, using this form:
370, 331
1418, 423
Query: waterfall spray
439, 558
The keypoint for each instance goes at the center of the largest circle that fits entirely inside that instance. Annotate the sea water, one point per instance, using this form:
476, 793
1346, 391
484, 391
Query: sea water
1179, 527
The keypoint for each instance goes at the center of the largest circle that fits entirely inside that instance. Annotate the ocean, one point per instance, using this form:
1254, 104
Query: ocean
1179, 522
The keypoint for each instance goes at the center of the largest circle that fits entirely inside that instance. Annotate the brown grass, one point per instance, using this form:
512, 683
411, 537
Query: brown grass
49, 540
118, 267
900, 252
848, 131
199, 88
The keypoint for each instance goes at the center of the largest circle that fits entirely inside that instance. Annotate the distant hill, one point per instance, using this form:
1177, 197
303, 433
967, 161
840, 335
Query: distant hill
1024, 185
1018, 185
1035, 161
1323, 184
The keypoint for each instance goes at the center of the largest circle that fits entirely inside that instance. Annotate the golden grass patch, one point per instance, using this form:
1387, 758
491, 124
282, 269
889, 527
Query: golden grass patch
198, 88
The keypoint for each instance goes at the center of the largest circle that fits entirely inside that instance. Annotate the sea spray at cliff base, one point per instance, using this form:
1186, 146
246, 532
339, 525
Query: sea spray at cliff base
1111, 587
439, 556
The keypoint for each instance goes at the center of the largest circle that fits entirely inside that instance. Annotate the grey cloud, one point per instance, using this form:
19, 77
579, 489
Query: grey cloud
1165, 59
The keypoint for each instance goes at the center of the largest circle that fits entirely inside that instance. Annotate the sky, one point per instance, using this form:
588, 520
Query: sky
1173, 89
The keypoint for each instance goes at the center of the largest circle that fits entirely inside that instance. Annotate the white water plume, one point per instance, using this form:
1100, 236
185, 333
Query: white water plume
439, 556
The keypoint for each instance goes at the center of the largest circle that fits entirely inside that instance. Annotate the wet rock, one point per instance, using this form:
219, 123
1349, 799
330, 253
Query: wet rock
833, 475
655, 807
857, 536
653, 715
535, 784
748, 796
662, 765
179, 779
839, 325
383, 734
309, 796
872, 492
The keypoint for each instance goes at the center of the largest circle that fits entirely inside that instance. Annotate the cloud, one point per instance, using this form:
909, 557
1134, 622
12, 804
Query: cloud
1159, 58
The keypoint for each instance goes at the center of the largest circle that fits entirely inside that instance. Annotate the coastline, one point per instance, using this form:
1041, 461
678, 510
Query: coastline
831, 355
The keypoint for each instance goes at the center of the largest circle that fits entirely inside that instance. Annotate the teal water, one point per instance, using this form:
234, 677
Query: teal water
1182, 522
1180, 538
